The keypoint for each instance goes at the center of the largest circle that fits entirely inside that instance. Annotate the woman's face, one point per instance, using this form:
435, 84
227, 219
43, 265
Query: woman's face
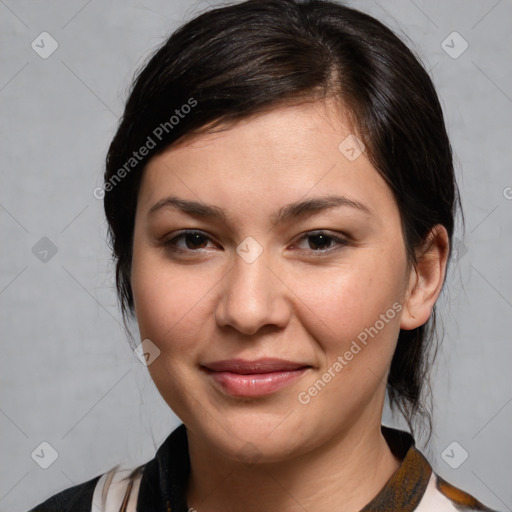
277, 316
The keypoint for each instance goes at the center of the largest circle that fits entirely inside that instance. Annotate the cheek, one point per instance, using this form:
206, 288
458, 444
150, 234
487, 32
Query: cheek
166, 297
169, 310
170, 305
349, 297
356, 302
354, 318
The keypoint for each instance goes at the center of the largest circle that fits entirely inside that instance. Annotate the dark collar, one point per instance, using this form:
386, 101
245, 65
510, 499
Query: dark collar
404, 490
164, 482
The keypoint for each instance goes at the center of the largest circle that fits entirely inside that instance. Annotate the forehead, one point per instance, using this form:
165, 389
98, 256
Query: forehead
284, 154
284, 126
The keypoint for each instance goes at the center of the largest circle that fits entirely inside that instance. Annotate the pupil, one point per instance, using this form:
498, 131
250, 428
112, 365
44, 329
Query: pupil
193, 240
319, 241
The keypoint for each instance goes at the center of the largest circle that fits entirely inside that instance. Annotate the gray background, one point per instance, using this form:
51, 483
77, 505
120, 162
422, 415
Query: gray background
68, 375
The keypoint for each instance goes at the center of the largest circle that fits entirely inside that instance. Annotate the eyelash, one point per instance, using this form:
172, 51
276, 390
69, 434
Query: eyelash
170, 244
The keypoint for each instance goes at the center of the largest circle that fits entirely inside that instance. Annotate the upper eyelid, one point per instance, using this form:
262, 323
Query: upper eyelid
168, 240
338, 238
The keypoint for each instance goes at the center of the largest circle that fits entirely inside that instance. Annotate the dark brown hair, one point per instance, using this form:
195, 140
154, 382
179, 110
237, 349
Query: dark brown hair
236, 61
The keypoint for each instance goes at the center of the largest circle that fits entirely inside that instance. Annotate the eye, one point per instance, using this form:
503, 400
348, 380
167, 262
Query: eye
188, 241
320, 241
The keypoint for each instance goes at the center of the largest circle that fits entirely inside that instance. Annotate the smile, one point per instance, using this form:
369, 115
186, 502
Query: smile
242, 378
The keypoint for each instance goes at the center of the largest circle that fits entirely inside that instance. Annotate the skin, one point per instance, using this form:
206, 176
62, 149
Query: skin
206, 303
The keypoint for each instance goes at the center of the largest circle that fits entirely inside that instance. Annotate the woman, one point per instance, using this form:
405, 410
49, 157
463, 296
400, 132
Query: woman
280, 197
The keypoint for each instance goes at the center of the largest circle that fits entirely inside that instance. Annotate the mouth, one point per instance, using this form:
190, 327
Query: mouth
261, 377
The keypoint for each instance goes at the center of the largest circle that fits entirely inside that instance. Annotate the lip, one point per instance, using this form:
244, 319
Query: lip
242, 378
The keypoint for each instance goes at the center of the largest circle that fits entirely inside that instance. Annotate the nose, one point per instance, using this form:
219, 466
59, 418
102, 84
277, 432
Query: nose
253, 296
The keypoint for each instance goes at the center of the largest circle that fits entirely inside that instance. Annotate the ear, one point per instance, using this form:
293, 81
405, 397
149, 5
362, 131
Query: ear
426, 278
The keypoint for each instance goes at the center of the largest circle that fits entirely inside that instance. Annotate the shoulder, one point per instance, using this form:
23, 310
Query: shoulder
76, 499
108, 492
415, 486
441, 496
120, 489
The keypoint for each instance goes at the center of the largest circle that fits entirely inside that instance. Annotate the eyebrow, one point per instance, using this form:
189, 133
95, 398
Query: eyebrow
284, 214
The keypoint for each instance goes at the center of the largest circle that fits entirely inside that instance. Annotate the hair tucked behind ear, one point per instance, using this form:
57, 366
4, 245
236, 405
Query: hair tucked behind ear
240, 60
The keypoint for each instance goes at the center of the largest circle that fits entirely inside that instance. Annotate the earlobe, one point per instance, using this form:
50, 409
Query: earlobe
426, 279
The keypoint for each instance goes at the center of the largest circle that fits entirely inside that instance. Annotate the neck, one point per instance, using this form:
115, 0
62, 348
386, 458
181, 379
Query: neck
344, 473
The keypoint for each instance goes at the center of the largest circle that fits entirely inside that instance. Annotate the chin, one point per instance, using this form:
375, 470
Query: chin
252, 438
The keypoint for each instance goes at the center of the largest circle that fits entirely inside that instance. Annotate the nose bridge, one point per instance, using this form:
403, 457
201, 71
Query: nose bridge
252, 296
